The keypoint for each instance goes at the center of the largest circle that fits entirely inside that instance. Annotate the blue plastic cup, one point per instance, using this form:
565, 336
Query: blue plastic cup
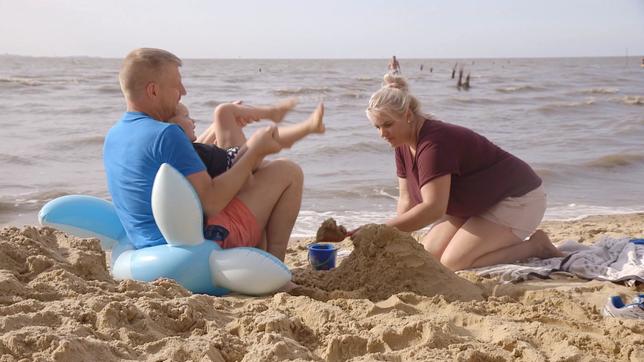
322, 256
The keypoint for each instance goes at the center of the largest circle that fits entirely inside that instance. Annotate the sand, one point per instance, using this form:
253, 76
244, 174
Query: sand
386, 301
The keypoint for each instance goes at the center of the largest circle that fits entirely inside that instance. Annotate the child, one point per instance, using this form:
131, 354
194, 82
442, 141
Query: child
224, 140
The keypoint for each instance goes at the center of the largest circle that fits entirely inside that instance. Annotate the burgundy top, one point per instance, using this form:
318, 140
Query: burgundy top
482, 173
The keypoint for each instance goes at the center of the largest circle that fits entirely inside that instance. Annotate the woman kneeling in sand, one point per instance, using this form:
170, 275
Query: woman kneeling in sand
485, 204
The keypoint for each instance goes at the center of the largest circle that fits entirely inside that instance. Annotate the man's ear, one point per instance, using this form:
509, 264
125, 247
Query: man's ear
151, 89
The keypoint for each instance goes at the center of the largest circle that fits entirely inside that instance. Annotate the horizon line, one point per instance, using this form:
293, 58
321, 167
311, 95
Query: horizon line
339, 58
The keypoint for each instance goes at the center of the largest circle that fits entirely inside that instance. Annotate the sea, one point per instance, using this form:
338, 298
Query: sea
579, 122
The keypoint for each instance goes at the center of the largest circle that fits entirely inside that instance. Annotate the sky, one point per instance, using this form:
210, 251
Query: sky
324, 29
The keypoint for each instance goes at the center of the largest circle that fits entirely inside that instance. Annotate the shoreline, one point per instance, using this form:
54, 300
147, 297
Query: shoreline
626, 221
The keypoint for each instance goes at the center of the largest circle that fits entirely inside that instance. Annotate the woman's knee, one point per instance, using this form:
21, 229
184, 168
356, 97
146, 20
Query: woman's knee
431, 245
455, 262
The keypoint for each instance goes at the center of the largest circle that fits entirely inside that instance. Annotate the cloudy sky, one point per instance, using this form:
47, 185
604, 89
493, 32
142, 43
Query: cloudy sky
324, 29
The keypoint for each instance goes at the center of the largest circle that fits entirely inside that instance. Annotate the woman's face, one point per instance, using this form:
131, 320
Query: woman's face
392, 129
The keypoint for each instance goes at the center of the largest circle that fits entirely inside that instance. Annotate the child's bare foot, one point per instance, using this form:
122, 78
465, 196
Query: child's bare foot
315, 120
281, 109
546, 248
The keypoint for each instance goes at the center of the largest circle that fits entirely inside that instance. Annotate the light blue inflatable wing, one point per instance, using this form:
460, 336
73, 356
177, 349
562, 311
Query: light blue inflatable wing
176, 208
84, 217
248, 271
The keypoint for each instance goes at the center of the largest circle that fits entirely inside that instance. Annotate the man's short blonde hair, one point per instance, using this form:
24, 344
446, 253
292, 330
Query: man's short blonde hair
142, 66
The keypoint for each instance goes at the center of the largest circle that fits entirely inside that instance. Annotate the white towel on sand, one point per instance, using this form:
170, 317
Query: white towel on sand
608, 259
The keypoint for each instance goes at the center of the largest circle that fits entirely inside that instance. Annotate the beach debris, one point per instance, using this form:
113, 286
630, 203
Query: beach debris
460, 84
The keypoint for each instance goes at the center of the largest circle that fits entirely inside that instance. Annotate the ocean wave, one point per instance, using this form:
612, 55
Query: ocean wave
633, 100
355, 193
108, 89
21, 81
354, 95
301, 91
520, 88
545, 173
368, 79
600, 91
15, 160
558, 106
78, 143
616, 160
29, 202
308, 221
574, 211
32, 82
212, 103
479, 100
7, 207
353, 148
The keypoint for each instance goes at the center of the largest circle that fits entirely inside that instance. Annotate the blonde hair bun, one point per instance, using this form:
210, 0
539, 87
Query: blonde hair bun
395, 81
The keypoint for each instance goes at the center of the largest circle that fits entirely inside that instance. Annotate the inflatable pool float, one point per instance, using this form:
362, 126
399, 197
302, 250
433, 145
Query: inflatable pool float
199, 265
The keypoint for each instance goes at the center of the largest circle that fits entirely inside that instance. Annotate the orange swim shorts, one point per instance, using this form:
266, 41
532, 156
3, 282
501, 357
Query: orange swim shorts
241, 224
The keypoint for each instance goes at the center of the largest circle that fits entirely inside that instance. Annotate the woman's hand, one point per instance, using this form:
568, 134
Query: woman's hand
350, 233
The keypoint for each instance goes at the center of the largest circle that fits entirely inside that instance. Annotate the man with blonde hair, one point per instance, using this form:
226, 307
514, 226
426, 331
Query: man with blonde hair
256, 210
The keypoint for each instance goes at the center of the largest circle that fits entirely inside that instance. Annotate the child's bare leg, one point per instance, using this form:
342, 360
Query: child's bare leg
293, 133
229, 119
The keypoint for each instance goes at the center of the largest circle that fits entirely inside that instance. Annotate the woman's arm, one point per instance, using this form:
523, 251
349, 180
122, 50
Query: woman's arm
435, 195
404, 200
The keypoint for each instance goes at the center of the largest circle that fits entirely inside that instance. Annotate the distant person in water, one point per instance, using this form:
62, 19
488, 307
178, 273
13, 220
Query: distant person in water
394, 66
219, 155
421, 67
483, 203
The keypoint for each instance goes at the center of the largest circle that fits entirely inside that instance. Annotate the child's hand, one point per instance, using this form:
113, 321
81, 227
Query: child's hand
265, 141
243, 121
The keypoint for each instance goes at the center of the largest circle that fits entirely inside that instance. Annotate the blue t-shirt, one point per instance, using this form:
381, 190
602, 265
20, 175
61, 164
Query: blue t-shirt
134, 149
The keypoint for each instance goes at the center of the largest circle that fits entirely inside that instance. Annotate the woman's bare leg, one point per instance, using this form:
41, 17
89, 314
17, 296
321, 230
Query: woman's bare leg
480, 242
440, 235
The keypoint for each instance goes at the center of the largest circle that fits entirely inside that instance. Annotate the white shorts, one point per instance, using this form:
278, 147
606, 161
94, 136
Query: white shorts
521, 214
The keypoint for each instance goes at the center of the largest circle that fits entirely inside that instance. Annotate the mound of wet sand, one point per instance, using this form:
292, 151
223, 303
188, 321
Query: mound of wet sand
385, 262
330, 231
